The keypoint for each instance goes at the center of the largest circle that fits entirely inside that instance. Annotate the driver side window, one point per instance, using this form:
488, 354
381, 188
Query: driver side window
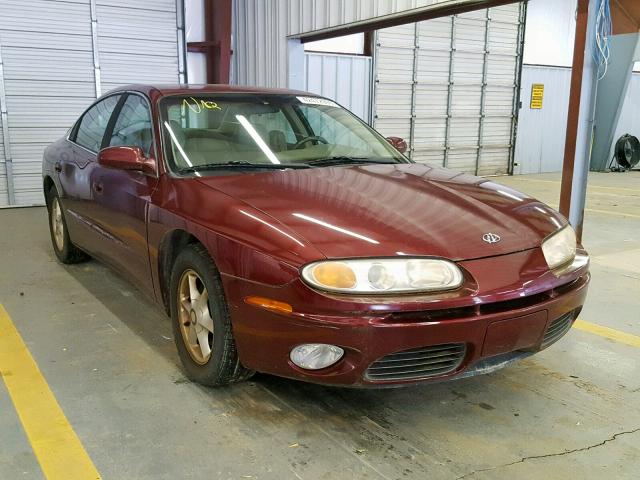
133, 126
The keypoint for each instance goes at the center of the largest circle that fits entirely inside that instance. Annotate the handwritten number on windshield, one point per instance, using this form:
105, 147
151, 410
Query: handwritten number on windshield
197, 105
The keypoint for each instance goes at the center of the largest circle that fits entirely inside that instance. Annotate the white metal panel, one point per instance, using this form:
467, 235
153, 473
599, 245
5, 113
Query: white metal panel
42, 65
159, 5
629, 121
121, 68
46, 40
541, 133
550, 32
137, 46
46, 16
466, 70
343, 78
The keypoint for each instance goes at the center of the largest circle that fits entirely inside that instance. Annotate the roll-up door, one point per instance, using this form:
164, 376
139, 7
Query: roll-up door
138, 42
449, 87
4, 194
57, 57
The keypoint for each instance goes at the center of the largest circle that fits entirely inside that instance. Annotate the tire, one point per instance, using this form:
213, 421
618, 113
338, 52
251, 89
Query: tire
205, 346
63, 247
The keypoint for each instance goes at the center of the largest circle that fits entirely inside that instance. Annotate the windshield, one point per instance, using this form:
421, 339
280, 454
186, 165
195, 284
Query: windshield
238, 130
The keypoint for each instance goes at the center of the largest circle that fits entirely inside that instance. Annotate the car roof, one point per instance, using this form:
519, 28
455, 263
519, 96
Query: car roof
162, 90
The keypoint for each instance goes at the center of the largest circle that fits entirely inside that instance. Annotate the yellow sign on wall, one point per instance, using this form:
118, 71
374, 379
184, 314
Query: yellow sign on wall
537, 95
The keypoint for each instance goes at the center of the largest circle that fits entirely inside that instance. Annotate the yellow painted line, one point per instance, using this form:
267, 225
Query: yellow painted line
56, 446
609, 212
610, 333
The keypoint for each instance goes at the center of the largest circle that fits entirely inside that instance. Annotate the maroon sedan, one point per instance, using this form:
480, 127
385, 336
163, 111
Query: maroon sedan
283, 235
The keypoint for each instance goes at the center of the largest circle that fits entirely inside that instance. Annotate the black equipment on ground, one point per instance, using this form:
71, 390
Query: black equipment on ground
626, 153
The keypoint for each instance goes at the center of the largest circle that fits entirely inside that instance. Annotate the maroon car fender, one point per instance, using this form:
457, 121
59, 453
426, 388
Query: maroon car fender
242, 241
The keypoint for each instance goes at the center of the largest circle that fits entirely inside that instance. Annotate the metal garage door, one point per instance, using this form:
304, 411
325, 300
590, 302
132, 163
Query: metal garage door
4, 194
59, 56
449, 87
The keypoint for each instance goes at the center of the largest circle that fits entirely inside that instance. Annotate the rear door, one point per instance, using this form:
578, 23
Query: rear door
121, 197
75, 169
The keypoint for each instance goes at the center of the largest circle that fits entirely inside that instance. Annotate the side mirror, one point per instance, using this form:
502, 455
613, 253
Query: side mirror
398, 143
126, 158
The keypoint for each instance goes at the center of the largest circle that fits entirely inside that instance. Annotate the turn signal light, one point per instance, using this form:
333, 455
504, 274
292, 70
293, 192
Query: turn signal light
269, 304
334, 275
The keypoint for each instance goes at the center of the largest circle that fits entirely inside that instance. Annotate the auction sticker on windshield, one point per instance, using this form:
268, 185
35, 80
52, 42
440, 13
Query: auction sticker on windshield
317, 101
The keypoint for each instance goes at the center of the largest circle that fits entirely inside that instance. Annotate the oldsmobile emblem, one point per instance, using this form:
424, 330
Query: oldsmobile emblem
491, 237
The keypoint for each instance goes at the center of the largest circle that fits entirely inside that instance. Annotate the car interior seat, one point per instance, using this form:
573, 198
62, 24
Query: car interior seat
277, 141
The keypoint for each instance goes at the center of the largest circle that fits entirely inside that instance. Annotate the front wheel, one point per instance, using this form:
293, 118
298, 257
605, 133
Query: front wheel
201, 322
64, 249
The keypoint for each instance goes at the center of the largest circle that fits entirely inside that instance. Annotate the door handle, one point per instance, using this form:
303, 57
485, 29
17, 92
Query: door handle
97, 187
57, 167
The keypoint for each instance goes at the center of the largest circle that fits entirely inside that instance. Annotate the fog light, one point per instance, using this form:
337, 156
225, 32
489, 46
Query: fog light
314, 356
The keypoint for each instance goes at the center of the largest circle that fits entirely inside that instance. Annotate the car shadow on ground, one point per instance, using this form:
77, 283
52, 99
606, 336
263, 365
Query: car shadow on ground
147, 320
411, 427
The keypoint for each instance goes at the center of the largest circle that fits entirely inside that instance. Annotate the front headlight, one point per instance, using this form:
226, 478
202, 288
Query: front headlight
560, 248
384, 275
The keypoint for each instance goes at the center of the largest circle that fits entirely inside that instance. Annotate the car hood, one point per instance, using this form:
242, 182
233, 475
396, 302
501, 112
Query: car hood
391, 210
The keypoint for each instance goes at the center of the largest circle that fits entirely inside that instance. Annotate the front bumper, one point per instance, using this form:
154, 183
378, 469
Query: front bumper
478, 338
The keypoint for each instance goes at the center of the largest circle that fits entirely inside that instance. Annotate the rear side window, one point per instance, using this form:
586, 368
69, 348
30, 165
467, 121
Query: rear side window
94, 123
133, 126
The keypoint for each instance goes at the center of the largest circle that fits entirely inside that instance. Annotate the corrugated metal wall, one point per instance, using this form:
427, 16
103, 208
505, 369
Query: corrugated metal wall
344, 78
541, 133
449, 87
261, 27
57, 56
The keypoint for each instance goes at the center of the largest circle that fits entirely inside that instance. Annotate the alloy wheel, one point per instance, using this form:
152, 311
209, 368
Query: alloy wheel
196, 323
57, 224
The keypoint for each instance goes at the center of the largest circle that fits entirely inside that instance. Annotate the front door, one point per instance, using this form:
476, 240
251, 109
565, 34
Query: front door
121, 197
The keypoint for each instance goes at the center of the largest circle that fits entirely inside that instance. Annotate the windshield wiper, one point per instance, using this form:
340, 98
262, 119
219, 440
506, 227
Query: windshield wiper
345, 160
241, 164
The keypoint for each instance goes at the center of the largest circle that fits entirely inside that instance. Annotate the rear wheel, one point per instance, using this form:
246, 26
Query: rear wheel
201, 322
64, 249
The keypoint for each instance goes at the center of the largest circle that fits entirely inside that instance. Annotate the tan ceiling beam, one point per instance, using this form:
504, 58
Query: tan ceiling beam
436, 10
625, 17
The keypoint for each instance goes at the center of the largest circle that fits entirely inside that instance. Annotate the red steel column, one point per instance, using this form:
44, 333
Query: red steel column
217, 40
219, 18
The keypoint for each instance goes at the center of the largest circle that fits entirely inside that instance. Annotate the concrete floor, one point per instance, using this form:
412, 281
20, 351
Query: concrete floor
573, 411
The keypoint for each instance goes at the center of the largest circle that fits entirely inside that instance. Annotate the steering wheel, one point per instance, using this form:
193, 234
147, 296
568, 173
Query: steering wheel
312, 138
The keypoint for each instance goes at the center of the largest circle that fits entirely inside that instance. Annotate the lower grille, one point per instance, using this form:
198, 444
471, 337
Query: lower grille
558, 328
418, 363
